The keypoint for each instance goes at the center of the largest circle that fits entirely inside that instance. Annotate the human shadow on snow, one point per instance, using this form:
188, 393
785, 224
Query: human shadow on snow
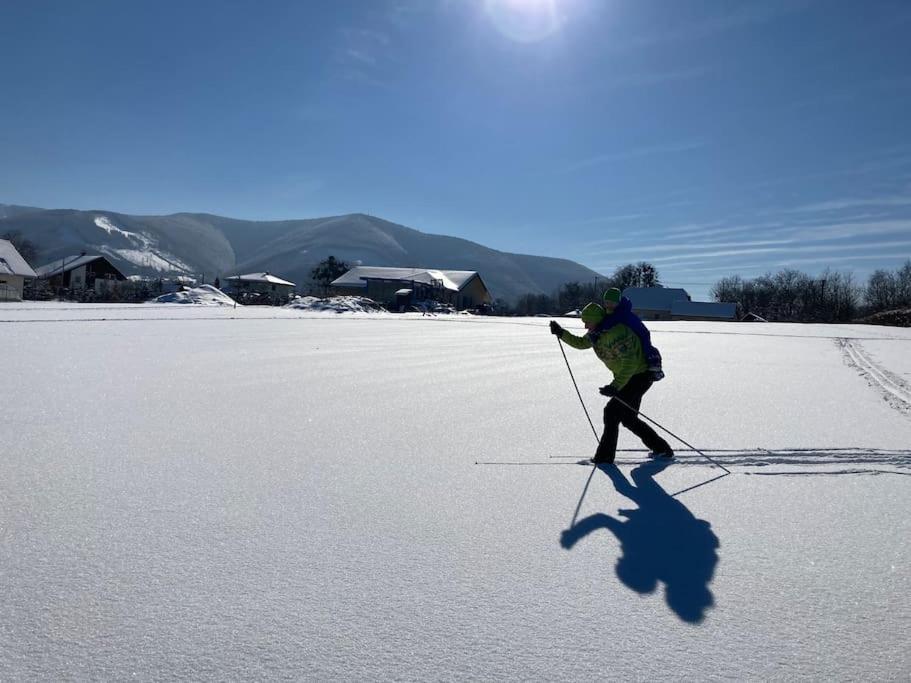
661, 541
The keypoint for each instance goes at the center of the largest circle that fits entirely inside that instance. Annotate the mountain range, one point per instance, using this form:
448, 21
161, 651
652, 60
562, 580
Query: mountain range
210, 245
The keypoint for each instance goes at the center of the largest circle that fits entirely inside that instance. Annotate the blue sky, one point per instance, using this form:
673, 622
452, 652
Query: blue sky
710, 138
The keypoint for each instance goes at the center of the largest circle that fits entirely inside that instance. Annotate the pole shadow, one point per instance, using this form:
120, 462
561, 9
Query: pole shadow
661, 540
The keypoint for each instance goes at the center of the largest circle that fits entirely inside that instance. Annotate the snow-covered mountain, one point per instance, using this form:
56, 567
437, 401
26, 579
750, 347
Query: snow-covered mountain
216, 245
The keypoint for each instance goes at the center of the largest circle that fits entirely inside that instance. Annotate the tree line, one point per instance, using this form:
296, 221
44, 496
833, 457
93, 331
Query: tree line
793, 296
786, 296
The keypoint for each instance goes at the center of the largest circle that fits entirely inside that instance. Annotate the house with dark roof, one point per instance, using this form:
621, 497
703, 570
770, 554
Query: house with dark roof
400, 288
14, 271
85, 272
668, 303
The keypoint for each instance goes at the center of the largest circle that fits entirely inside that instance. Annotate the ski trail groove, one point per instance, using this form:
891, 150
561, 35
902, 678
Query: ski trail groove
892, 388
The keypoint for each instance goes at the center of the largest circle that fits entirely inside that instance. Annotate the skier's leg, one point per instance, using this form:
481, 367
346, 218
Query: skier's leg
607, 448
632, 395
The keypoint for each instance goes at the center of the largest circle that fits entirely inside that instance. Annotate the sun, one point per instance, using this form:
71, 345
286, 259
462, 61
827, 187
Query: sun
525, 21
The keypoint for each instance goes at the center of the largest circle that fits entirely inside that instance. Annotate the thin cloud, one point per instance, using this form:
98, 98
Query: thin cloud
887, 256
360, 54
842, 204
740, 17
849, 229
689, 246
728, 231
636, 153
815, 248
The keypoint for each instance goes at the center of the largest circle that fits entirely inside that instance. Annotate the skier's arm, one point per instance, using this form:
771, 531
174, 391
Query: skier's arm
570, 339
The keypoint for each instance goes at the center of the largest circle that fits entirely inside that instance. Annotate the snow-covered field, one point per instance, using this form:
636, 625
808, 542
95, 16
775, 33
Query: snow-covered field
214, 493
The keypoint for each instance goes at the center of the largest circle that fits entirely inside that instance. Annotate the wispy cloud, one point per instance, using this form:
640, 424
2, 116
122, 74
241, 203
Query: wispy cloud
740, 16
822, 250
635, 153
681, 247
361, 53
881, 257
842, 204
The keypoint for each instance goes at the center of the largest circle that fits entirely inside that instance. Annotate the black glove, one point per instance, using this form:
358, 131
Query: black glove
607, 390
555, 328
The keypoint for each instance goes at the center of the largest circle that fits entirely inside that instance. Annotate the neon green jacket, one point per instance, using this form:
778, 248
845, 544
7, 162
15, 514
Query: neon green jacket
618, 348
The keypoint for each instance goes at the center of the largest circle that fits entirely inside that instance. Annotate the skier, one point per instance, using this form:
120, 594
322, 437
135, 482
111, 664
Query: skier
621, 350
619, 309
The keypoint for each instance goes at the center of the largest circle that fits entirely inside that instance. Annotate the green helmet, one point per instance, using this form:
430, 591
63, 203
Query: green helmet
612, 295
592, 313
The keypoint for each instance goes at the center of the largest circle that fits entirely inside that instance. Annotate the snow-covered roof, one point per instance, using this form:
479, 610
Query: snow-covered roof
66, 264
261, 277
11, 261
655, 298
453, 280
704, 309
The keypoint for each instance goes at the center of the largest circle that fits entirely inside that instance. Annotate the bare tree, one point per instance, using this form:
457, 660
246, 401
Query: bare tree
881, 294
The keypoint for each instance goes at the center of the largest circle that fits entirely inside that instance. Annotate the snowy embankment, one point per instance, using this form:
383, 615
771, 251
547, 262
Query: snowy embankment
203, 295
396, 497
336, 304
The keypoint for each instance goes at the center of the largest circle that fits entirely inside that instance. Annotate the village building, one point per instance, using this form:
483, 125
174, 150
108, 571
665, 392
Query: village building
263, 287
401, 288
82, 273
668, 303
14, 271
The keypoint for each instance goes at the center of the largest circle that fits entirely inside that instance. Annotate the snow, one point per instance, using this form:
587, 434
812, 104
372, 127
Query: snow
147, 258
105, 224
212, 493
144, 255
336, 304
204, 295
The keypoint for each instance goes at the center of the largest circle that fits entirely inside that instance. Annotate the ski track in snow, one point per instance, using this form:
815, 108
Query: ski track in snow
857, 460
892, 388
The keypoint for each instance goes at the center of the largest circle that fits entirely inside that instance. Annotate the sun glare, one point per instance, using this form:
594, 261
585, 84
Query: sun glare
525, 21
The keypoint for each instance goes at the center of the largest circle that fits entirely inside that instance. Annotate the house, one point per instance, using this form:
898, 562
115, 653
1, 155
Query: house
14, 271
264, 287
654, 303
85, 272
668, 303
400, 288
702, 310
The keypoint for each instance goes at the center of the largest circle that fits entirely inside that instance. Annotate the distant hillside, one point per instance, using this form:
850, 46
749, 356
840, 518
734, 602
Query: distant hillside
13, 210
216, 245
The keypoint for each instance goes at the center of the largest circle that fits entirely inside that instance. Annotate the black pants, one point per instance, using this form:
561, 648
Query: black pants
615, 414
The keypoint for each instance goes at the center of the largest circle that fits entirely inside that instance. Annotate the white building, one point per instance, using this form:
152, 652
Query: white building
399, 288
13, 272
266, 287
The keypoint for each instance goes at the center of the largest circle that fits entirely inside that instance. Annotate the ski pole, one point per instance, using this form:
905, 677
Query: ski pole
646, 417
594, 431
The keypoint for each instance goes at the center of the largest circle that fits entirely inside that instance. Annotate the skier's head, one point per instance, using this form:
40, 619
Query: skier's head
611, 299
591, 315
